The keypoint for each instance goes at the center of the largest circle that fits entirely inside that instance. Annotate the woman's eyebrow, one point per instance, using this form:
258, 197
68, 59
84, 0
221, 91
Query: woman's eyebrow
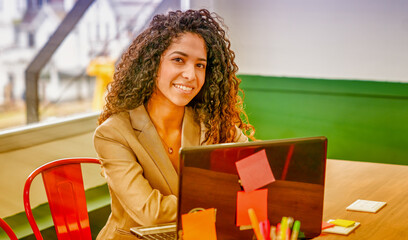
186, 55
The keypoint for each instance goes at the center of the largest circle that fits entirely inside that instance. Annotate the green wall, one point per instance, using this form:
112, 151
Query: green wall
363, 120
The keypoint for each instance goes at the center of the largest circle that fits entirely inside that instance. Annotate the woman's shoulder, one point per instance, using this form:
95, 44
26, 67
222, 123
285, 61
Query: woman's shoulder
125, 122
116, 120
115, 124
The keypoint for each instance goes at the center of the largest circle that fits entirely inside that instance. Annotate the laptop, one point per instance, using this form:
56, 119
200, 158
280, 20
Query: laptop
209, 179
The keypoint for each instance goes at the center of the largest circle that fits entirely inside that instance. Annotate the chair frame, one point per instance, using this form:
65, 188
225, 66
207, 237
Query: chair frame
7, 229
63, 181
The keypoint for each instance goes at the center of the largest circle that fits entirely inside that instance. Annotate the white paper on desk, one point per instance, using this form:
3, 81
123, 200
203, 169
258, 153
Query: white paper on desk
341, 230
366, 206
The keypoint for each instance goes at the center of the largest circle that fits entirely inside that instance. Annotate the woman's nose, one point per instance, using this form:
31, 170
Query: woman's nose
189, 73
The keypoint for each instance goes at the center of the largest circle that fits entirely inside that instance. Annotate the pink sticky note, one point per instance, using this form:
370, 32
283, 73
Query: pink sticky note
254, 171
327, 225
257, 200
199, 225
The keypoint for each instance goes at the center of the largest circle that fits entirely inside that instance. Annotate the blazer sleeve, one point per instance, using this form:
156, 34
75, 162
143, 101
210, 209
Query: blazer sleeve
124, 175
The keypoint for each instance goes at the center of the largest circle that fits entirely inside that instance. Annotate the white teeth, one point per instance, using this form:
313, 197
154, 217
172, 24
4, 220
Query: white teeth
183, 87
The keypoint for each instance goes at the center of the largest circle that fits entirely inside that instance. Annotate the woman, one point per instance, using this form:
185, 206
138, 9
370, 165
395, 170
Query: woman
174, 87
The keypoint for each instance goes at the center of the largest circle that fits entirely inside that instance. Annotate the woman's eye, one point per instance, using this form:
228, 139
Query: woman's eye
200, 65
179, 60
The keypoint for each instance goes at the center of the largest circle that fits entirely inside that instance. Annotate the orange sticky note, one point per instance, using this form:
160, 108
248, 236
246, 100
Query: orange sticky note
199, 225
255, 171
256, 200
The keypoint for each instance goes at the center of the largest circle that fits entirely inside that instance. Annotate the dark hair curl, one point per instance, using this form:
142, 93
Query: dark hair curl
218, 105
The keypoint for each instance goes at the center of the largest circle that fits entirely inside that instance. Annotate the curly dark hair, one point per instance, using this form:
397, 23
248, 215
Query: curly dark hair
218, 104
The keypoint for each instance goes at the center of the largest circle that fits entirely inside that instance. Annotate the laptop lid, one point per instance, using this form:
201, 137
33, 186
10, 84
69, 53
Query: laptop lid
209, 179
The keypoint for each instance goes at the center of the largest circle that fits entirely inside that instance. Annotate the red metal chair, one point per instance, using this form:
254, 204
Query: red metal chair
8, 230
66, 197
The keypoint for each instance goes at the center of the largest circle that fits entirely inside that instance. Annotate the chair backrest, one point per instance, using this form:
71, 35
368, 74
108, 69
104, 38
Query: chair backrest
8, 230
66, 197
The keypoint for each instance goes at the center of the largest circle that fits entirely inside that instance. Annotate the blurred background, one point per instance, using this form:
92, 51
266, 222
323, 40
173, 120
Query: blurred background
65, 87
325, 67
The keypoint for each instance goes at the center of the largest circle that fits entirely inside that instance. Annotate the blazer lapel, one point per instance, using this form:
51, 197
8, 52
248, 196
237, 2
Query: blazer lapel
190, 129
150, 140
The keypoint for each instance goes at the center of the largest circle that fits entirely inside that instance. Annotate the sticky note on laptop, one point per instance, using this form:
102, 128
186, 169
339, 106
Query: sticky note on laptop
199, 225
255, 171
256, 200
366, 206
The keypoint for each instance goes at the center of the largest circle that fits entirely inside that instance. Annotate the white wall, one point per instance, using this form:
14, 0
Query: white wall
10, 11
341, 39
79, 44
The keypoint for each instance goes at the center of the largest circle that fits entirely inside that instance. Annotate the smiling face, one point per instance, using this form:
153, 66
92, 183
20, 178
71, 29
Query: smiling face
181, 72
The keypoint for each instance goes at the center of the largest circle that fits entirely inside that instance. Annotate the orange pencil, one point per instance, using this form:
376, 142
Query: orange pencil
255, 224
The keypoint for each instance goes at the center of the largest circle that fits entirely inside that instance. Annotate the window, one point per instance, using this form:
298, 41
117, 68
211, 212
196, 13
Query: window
31, 39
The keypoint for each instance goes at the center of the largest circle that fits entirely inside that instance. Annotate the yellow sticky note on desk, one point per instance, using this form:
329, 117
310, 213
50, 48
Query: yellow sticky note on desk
199, 225
343, 223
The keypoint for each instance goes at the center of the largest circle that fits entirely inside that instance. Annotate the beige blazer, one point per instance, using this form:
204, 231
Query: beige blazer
143, 183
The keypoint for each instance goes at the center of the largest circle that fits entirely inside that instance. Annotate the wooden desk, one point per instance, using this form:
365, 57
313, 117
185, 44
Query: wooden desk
347, 181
